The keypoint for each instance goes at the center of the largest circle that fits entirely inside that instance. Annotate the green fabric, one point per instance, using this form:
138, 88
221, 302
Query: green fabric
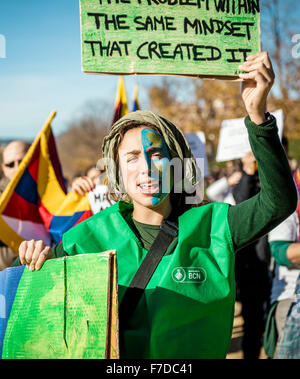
278, 197
271, 334
58, 251
174, 138
279, 252
16, 262
146, 233
173, 319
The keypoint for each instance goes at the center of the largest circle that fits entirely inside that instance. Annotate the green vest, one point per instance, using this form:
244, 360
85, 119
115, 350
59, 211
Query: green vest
187, 308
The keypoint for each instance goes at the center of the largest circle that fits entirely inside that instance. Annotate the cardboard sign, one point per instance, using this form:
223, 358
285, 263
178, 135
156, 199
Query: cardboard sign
197, 144
68, 309
175, 37
98, 199
234, 141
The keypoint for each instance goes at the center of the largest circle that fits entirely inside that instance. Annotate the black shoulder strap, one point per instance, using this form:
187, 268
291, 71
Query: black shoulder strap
168, 231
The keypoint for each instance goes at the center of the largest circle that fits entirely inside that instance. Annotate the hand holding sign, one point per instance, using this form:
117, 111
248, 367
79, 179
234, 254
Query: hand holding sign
82, 185
258, 81
33, 254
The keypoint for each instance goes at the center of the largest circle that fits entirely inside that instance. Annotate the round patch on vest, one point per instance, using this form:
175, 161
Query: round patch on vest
189, 275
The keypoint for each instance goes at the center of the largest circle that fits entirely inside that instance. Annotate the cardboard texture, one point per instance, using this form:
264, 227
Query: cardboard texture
68, 309
207, 38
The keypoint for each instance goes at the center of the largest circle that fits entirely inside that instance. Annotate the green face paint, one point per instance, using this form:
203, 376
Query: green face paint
158, 159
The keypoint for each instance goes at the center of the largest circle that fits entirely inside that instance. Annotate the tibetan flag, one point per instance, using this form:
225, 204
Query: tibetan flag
121, 107
136, 104
35, 204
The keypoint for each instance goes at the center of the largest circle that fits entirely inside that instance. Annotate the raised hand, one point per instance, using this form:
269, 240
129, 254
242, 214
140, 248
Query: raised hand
82, 185
258, 80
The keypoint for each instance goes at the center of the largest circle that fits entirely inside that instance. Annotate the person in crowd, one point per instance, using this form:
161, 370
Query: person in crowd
221, 190
12, 156
94, 175
87, 182
94, 180
253, 277
285, 249
215, 174
176, 284
289, 343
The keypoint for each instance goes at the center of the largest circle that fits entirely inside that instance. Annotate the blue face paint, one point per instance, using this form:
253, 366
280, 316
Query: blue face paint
157, 157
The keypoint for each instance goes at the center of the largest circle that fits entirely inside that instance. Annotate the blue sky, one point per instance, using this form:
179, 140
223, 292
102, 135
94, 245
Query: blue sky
42, 68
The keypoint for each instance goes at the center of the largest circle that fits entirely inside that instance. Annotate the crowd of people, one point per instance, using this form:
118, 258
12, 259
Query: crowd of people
245, 237
267, 271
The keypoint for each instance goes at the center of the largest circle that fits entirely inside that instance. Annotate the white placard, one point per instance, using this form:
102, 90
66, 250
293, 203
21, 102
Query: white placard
234, 142
197, 144
98, 199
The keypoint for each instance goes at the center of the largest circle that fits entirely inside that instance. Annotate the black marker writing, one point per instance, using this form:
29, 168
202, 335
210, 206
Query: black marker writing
117, 22
110, 49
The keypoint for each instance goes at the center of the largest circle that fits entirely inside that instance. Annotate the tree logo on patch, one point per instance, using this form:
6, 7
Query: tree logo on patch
178, 275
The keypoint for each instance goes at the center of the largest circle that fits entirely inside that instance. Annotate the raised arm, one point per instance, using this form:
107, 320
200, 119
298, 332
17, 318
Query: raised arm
277, 198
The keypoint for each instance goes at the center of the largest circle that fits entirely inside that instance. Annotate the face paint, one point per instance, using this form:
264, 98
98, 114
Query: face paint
157, 157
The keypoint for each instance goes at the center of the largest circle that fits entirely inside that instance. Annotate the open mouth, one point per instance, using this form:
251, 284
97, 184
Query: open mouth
148, 188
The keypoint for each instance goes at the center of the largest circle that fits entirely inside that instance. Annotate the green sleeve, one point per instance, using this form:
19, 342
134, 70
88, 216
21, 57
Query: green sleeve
277, 198
57, 252
16, 262
279, 252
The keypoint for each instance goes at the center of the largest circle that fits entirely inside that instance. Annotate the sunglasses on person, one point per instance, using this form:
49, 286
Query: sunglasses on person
12, 164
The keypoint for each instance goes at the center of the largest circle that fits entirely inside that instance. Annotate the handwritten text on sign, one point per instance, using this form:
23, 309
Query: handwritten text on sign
183, 37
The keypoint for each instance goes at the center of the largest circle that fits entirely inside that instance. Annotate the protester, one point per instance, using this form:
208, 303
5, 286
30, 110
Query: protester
252, 273
12, 156
94, 175
285, 248
86, 183
221, 190
179, 315
216, 173
94, 182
